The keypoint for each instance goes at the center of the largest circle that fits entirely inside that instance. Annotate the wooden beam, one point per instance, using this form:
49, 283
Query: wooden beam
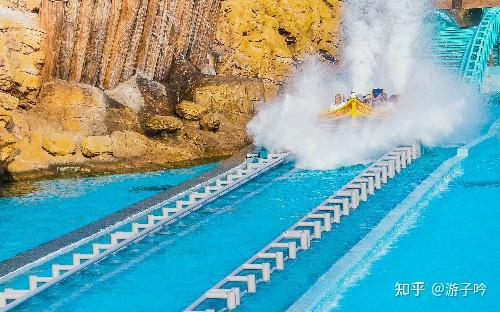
444, 4
473, 4
465, 4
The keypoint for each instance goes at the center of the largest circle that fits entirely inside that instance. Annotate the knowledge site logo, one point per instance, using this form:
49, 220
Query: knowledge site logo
440, 289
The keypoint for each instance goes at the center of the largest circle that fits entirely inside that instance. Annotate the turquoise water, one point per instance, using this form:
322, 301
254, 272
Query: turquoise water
455, 240
166, 272
450, 242
60, 206
288, 285
170, 270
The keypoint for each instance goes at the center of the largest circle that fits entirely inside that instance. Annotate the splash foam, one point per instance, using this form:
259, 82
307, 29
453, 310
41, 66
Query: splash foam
382, 49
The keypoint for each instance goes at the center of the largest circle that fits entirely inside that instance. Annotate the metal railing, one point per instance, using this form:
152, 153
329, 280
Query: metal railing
148, 222
226, 294
477, 54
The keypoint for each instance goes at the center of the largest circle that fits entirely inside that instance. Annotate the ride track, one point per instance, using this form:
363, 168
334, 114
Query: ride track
145, 223
476, 58
467, 51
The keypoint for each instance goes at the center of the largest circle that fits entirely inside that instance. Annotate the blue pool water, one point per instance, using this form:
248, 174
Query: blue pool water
449, 241
455, 240
288, 285
60, 206
168, 271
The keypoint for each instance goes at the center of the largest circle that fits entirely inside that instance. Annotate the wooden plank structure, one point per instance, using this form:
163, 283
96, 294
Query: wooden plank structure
465, 4
105, 42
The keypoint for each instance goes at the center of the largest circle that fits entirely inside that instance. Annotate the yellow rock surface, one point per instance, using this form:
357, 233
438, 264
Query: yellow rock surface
235, 98
7, 153
157, 124
190, 111
93, 146
58, 144
25, 5
31, 155
7, 138
129, 144
21, 55
7, 101
266, 38
210, 122
73, 107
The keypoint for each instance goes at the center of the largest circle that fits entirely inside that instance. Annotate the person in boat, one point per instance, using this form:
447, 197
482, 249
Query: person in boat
379, 96
368, 99
338, 101
383, 97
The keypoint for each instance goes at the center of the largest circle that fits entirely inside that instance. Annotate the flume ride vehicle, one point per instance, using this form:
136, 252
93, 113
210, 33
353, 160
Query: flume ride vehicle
353, 108
373, 105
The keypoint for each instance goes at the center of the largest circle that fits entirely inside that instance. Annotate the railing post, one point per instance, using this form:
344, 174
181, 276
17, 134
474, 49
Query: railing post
498, 55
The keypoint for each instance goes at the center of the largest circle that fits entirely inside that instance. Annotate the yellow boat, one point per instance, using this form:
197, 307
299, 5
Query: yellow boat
352, 108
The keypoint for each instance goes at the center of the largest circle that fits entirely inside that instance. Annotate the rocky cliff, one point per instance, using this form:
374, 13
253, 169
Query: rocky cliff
21, 55
268, 38
103, 43
105, 86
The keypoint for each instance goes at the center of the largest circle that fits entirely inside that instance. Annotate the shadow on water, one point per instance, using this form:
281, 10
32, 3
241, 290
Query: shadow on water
19, 188
11, 188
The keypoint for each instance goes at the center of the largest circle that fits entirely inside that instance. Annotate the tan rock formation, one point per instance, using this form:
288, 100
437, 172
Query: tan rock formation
129, 144
8, 102
235, 98
152, 55
266, 38
7, 139
210, 122
103, 43
7, 153
128, 94
121, 118
7, 147
190, 111
104, 136
72, 107
93, 146
5, 118
157, 124
30, 155
21, 54
24, 5
59, 144
135, 148
145, 97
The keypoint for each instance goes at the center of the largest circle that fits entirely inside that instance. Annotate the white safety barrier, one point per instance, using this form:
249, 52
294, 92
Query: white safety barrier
156, 218
309, 228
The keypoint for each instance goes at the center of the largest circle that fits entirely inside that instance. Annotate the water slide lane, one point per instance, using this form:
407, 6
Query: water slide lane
325, 294
57, 207
188, 256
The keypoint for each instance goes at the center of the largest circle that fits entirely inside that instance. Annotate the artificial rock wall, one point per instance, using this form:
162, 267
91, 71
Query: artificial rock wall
267, 39
105, 42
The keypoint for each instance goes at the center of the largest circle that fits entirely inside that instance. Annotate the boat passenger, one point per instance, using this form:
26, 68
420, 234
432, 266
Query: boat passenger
383, 97
337, 102
368, 99
377, 92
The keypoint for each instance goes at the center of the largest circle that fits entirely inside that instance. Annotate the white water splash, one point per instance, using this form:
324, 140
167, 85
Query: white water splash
383, 40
